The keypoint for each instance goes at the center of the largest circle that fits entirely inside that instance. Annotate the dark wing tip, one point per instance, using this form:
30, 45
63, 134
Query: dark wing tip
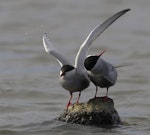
126, 10
45, 34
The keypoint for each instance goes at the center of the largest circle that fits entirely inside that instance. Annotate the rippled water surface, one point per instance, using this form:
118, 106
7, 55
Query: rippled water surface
31, 97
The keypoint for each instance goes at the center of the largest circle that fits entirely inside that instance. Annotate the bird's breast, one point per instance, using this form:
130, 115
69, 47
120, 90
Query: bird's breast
74, 82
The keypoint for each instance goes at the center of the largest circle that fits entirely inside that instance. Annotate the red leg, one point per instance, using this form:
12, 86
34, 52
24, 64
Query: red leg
78, 97
96, 92
69, 102
106, 97
107, 93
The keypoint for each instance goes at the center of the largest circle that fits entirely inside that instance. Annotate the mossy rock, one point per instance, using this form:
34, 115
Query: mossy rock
98, 111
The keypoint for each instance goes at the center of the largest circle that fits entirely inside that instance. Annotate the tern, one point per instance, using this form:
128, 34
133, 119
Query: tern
101, 73
75, 78
72, 78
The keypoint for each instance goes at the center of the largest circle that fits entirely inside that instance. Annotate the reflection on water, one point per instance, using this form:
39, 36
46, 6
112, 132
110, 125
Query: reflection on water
30, 94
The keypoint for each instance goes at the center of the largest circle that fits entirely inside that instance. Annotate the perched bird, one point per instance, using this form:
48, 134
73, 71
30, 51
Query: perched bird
75, 78
72, 78
100, 72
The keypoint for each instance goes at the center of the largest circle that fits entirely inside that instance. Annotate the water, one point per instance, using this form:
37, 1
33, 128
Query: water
31, 97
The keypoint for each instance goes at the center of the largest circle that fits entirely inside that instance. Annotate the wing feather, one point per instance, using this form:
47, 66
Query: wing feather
49, 48
96, 32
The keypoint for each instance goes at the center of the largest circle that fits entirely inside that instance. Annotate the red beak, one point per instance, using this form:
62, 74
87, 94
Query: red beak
102, 52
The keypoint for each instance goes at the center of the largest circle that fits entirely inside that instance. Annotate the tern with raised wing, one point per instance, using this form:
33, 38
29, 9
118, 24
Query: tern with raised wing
72, 78
75, 78
100, 72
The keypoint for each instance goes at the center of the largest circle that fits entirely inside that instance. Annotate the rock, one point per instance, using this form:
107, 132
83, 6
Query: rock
98, 111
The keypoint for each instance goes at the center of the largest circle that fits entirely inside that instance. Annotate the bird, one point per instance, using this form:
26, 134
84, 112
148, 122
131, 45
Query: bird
72, 78
100, 72
75, 78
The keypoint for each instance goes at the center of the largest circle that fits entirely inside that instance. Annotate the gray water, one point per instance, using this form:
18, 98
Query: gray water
31, 97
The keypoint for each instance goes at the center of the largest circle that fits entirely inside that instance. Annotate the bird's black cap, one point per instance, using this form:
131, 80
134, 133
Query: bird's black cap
66, 68
90, 62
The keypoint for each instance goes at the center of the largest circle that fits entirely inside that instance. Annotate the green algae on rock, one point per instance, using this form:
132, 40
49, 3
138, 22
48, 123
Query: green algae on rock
96, 112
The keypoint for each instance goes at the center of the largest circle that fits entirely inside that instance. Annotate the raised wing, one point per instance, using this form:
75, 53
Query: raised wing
49, 48
97, 31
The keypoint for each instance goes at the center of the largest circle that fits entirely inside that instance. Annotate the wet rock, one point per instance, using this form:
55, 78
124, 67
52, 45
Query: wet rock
98, 111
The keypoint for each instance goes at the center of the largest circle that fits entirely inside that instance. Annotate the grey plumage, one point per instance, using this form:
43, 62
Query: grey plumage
75, 78
101, 73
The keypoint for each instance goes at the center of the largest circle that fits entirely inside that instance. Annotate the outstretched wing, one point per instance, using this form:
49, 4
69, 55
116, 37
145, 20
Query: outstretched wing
97, 31
49, 48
